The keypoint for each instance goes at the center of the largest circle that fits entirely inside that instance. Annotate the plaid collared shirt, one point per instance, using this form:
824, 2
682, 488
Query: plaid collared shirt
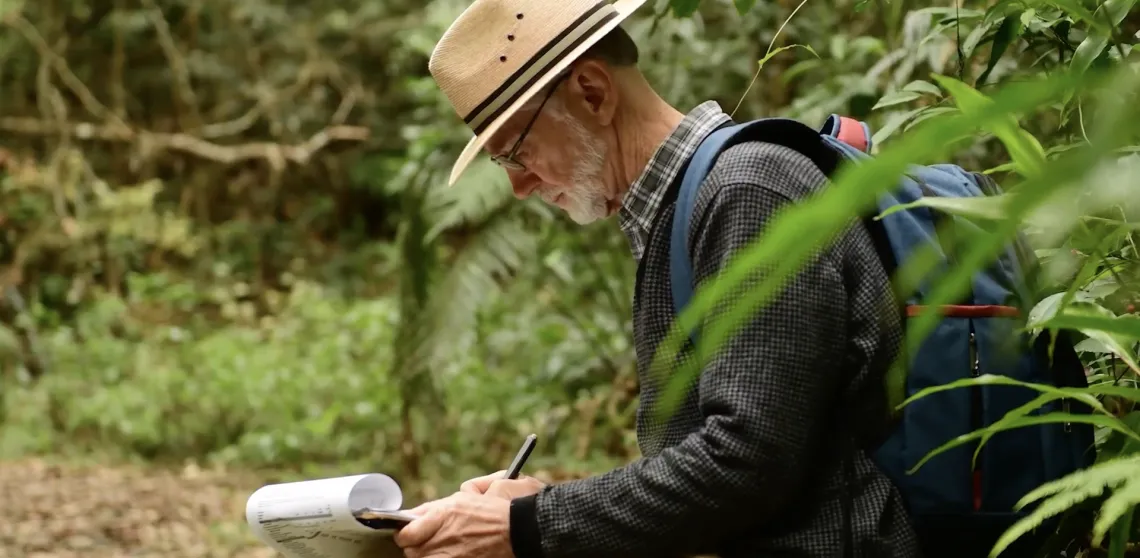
644, 197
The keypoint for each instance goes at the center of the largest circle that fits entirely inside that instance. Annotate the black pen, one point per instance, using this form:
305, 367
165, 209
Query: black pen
520, 458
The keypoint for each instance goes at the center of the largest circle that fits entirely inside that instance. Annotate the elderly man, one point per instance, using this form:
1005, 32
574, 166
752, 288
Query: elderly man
750, 464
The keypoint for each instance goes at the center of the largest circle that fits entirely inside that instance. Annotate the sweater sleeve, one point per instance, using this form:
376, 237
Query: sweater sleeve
764, 399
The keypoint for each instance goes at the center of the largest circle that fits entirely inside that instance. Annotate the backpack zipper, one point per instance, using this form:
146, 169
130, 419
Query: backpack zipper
975, 412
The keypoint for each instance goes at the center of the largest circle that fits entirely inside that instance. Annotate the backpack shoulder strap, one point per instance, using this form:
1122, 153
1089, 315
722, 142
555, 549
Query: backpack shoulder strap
781, 131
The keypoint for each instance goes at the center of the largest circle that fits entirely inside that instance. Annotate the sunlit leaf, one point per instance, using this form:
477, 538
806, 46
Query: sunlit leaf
1088, 51
896, 98
1023, 148
769, 56
985, 208
923, 86
894, 122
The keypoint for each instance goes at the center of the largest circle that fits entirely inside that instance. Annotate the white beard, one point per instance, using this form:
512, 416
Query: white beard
586, 195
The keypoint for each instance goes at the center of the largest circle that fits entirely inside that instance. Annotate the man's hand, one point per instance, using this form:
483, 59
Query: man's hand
495, 485
463, 524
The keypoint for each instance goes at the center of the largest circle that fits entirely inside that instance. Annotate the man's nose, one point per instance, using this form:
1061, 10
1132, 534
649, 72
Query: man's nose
523, 183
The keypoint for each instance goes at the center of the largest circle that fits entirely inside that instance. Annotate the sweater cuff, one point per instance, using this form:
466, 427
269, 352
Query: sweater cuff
525, 539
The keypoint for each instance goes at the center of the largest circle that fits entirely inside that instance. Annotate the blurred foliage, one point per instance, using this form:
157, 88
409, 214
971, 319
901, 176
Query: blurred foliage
1066, 94
227, 239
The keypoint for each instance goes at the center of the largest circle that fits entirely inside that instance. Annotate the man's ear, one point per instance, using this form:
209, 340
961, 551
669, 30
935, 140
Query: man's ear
592, 93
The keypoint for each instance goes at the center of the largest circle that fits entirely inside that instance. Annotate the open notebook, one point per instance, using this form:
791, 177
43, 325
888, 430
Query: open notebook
341, 517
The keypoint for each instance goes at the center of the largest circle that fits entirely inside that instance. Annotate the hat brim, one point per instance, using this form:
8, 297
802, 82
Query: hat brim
624, 9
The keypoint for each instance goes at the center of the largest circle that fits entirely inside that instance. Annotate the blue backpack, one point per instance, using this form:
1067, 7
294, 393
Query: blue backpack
950, 503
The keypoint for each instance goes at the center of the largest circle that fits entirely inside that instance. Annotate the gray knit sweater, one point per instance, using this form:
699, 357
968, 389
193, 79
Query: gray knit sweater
755, 442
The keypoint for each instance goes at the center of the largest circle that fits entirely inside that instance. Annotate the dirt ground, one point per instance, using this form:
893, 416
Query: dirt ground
50, 510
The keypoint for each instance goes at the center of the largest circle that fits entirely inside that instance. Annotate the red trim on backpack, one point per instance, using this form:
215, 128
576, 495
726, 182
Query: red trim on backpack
968, 311
851, 132
977, 490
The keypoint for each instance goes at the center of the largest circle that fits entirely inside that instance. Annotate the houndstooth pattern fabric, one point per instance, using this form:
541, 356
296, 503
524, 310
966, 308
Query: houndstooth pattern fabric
643, 199
757, 434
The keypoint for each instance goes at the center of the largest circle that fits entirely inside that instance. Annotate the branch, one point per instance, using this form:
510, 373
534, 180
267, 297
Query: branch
175, 59
151, 143
96, 108
264, 99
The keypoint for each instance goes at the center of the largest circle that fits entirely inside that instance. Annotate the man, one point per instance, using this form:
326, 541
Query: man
750, 463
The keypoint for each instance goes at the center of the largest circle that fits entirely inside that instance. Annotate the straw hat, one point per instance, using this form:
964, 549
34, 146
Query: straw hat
500, 53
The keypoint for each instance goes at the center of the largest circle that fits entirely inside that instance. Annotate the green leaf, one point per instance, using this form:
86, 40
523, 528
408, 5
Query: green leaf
1009, 30
1087, 52
1049, 393
684, 8
894, 122
1075, 9
1103, 421
769, 56
1023, 148
923, 86
1093, 45
1123, 507
989, 208
896, 98
1118, 333
927, 113
1117, 10
1117, 445
743, 6
1004, 167
974, 38
993, 379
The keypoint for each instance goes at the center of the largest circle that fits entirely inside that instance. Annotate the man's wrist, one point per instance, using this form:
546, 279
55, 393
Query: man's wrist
526, 542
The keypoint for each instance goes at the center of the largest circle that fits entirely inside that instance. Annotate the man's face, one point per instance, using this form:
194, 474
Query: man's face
561, 160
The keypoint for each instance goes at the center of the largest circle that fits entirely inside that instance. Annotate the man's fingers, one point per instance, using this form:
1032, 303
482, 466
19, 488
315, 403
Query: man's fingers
419, 531
421, 509
498, 488
472, 486
479, 485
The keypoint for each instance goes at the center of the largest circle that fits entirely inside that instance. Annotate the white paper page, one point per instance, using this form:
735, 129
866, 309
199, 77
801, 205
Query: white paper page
314, 519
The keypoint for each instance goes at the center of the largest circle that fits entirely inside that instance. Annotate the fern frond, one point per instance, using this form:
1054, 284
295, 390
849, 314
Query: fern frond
1090, 481
496, 250
1085, 395
1071, 490
482, 190
1079, 394
1123, 500
1103, 421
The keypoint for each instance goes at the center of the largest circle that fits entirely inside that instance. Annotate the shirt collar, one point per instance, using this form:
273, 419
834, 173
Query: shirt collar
642, 201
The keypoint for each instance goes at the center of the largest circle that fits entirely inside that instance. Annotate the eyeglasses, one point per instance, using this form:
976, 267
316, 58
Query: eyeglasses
508, 161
